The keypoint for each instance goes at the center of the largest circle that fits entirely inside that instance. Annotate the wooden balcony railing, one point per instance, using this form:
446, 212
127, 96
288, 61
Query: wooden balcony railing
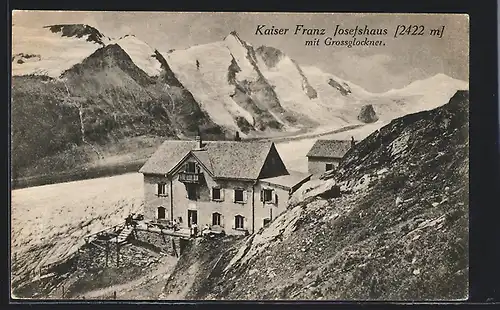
190, 177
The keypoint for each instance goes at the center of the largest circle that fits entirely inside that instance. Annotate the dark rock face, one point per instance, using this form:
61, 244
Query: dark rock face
232, 70
333, 192
78, 30
367, 114
21, 58
270, 55
306, 86
342, 88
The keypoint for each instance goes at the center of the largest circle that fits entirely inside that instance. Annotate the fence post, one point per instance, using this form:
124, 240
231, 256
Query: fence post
107, 252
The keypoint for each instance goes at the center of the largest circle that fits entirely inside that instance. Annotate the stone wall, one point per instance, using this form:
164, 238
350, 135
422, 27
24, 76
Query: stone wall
157, 242
142, 250
317, 165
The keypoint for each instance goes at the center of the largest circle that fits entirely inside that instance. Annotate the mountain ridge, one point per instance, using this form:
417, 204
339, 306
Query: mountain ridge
222, 87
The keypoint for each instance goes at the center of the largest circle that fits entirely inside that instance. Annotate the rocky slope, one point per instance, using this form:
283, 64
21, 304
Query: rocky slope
398, 231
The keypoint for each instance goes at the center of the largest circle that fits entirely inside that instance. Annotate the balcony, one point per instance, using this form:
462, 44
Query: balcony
190, 177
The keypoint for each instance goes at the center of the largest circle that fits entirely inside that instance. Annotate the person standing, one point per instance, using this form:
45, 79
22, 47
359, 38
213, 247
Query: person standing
195, 229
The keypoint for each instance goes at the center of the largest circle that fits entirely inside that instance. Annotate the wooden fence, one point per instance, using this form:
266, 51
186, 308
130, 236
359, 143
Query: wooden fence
113, 229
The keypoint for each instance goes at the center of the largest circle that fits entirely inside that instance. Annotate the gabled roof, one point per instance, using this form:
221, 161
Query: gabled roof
167, 156
223, 159
329, 148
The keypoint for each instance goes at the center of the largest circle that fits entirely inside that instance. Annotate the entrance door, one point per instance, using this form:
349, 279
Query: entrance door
192, 217
161, 212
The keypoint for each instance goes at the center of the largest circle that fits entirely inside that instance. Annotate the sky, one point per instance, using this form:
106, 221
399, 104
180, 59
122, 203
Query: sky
376, 68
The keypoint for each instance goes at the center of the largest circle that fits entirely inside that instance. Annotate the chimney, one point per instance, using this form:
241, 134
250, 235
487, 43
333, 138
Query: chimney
199, 141
237, 136
353, 143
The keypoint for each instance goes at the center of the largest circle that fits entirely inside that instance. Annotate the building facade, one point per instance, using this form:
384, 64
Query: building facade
236, 185
325, 155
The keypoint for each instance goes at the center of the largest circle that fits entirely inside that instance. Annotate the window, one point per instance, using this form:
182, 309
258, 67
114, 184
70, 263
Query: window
162, 189
216, 219
239, 195
267, 195
192, 193
329, 167
238, 221
216, 194
266, 222
161, 212
191, 167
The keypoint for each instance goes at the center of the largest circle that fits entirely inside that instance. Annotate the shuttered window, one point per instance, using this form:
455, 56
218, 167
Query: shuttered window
217, 194
239, 222
239, 195
268, 195
161, 189
216, 219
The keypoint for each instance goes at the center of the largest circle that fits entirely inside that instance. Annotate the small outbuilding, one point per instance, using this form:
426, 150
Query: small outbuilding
325, 155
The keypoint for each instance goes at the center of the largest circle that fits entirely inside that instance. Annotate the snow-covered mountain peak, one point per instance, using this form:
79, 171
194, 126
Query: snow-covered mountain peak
433, 83
52, 49
233, 38
141, 54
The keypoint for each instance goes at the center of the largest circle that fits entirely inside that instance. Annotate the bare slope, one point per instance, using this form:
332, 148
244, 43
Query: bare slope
398, 232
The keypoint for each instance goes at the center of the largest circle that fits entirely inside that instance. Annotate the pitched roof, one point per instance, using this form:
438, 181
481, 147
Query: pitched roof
329, 148
223, 159
289, 181
167, 156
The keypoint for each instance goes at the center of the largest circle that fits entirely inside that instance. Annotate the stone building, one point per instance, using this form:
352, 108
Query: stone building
325, 155
239, 186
